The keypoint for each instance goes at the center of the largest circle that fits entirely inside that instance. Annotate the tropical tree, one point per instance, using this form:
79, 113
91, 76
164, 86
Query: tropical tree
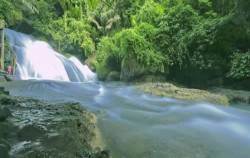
103, 15
12, 11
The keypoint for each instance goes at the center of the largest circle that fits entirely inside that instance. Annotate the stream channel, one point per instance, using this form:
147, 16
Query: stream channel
133, 124
136, 125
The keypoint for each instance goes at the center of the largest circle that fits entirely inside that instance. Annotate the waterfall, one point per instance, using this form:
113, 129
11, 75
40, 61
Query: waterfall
37, 60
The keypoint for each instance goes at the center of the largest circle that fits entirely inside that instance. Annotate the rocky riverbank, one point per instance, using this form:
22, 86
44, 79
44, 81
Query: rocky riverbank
33, 128
170, 90
233, 95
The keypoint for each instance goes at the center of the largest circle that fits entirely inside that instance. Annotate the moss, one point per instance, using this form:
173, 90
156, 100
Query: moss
170, 90
233, 95
67, 55
91, 62
131, 69
48, 130
102, 71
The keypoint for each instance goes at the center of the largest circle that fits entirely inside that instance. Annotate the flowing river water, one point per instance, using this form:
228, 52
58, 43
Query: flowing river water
135, 124
138, 125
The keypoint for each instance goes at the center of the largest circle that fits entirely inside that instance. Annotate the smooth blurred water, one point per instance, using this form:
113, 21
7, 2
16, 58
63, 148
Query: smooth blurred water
133, 124
137, 125
38, 60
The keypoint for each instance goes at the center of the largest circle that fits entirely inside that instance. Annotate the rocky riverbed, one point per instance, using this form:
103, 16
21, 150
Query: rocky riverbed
34, 128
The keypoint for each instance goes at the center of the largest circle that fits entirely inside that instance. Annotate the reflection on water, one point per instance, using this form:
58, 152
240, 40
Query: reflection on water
139, 125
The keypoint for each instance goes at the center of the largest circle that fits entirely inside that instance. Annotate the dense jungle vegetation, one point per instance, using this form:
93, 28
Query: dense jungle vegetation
192, 42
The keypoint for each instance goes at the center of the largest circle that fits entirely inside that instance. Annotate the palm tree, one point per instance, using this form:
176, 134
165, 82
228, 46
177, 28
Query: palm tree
104, 17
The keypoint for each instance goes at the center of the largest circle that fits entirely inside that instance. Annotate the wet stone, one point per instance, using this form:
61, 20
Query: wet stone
22, 104
46, 129
30, 132
4, 113
4, 151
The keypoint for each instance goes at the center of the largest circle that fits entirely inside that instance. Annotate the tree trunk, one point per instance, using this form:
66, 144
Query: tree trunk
2, 49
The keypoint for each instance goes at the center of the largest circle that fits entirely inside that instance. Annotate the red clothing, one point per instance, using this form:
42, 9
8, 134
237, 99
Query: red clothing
9, 69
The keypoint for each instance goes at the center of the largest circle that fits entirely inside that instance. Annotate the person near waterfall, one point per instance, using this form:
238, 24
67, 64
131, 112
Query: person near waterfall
9, 68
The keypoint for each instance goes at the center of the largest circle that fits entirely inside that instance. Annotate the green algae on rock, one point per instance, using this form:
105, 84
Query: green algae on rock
170, 90
33, 128
233, 95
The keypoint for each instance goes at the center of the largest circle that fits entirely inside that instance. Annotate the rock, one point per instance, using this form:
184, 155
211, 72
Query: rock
248, 100
170, 90
30, 132
131, 70
4, 151
99, 154
91, 63
4, 113
22, 105
42, 129
233, 95
153, 78
113, 76
5, 100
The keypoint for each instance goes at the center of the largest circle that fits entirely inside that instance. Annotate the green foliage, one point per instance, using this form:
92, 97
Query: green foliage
148, 13
102, 69
202, 6
158, 35
174, 26
133, 45
67, 31
146, 30
240, 65
199, 41
73, 32
107, 57
107, 48
179, 17
12, 11
104, 17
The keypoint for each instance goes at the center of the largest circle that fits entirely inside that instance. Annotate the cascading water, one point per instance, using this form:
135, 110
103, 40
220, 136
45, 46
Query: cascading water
37, 60
133, 124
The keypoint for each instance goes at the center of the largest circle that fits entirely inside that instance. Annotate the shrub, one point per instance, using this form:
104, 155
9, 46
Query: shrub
240, 65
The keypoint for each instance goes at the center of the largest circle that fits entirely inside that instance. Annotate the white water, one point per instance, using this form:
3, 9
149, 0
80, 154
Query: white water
37, 60
137, 125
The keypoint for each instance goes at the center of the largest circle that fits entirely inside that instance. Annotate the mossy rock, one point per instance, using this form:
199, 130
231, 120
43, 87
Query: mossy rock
48, 130
4, 113
131, 70
91, 62
102, 71
2, 24
154, 78
233, 95
170, 90
113, 76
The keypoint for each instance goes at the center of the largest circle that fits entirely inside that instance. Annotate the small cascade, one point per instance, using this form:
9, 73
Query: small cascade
37, 60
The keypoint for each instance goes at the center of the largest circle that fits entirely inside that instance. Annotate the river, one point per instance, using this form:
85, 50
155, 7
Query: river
133, 124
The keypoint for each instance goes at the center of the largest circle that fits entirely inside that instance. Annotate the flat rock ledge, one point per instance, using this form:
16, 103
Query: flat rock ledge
233, 96
32, 128
170, 90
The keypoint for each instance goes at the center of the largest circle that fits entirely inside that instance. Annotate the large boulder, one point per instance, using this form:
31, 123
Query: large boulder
131, 70
170, 90
43, 129
113, 76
